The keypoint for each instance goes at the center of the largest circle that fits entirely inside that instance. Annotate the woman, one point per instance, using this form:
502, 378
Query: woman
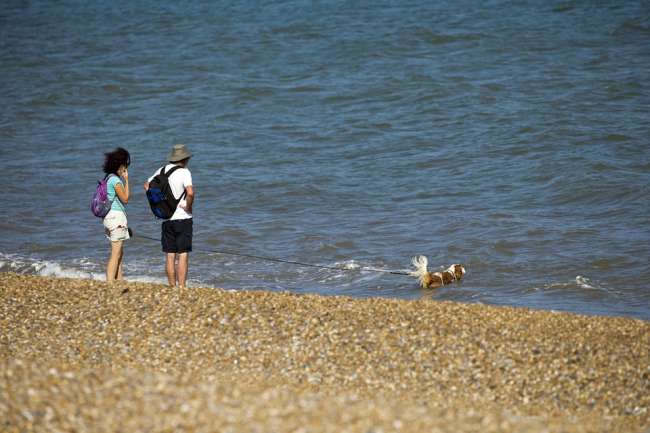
116, 165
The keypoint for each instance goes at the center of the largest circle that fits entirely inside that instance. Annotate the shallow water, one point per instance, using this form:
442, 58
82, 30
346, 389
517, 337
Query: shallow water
508, 136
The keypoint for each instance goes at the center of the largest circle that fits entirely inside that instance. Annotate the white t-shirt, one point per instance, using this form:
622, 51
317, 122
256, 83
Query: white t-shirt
178, 181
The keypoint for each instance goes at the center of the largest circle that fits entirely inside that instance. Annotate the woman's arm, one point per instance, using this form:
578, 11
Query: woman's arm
122, 190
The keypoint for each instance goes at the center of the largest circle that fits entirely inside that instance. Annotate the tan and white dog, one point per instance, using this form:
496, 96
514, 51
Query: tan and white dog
433, 280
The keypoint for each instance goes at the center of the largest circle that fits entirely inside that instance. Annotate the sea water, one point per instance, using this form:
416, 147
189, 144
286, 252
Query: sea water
511, 137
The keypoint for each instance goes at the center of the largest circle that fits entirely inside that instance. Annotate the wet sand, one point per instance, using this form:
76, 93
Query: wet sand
79, 355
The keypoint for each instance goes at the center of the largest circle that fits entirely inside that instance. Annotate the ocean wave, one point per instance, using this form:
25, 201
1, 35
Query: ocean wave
45, 268
83, 268
580, 284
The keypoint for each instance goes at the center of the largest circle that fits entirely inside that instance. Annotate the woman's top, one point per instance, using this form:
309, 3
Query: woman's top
112, 196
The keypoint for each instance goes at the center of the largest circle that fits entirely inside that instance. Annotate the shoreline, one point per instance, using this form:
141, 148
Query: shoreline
81, 353
21, 264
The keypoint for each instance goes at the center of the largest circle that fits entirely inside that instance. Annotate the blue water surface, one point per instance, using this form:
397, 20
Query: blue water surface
508, 136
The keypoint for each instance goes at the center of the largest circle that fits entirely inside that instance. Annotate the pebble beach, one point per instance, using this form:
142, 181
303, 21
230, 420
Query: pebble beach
82, 356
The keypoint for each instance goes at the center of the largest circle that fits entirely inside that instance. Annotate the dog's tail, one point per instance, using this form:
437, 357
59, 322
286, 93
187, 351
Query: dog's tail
420, 263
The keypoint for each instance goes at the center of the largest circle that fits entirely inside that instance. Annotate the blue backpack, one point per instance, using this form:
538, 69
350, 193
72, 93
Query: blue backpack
160, 196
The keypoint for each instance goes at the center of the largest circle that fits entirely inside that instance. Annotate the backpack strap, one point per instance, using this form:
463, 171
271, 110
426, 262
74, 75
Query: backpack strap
108, 176
171, 170
169, 173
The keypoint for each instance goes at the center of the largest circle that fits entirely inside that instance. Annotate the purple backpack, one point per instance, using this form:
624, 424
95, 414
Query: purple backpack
100, 205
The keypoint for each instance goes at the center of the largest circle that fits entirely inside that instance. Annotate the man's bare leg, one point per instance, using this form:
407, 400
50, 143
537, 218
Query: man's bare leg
183, 265
170, 268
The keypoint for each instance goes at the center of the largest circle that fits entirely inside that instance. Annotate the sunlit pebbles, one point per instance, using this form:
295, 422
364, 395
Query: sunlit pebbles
79, 355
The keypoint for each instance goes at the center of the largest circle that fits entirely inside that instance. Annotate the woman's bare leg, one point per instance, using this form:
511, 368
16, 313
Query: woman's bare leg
120, 275
114, 260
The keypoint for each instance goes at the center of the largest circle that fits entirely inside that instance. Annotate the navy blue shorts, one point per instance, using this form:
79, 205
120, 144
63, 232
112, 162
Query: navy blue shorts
177, 236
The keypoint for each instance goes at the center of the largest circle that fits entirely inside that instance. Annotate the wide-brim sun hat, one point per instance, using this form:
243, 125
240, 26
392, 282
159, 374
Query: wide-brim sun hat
179, 152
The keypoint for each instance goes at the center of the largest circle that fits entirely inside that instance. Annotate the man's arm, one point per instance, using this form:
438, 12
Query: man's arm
146, 184
189, 198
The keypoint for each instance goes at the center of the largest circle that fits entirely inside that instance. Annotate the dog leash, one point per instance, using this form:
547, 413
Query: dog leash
291, 262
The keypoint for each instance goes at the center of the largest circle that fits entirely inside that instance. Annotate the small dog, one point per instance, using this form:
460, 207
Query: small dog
433, 280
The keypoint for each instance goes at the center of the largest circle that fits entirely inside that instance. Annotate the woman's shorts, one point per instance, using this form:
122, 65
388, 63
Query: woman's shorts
116, 226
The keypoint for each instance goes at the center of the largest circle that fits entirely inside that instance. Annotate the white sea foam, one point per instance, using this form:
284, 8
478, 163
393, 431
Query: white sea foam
579, 282
44, 268
585, 283
83, 268
348, 264
48, 268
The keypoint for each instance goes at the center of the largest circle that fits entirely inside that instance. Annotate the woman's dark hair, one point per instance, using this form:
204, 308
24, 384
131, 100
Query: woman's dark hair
115, 159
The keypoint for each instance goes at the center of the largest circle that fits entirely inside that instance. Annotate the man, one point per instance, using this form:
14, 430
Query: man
176, 236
